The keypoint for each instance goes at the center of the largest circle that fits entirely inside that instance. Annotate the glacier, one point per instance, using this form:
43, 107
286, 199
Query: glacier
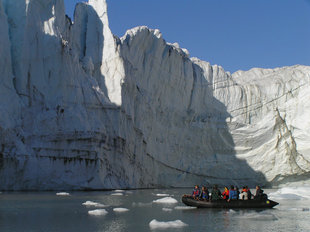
82, 109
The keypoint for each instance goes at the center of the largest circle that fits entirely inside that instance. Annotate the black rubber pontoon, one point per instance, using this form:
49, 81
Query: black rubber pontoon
246, 204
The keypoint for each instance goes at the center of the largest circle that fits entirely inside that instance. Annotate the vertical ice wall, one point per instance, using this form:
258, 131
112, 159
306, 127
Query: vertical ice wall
83, 109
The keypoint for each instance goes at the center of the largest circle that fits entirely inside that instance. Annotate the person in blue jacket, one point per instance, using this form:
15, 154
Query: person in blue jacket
232, 194
204, 195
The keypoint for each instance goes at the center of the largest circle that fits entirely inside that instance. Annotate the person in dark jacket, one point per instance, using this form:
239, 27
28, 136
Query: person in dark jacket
215, 194
259, 195
249, 193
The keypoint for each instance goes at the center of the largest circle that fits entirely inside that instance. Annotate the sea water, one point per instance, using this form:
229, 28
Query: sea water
146, 210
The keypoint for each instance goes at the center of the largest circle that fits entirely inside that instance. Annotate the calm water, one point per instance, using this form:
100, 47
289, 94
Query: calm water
45, 211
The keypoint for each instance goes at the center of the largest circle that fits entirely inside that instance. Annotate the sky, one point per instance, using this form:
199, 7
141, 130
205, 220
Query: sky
235, 34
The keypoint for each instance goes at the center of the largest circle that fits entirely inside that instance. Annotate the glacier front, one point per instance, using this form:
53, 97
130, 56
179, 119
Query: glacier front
83, 109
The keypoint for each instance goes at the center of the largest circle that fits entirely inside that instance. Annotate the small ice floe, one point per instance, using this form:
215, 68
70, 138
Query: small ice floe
162, 195
97, 212
119, 190
63, 194
167, 209
166, 200
154, 224
117, 194
184, 207
120, 210
93, 204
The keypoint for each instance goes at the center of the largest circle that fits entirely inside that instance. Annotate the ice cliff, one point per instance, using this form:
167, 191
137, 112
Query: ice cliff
83, 109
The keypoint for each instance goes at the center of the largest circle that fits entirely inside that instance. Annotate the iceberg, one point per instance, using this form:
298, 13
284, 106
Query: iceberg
82, 109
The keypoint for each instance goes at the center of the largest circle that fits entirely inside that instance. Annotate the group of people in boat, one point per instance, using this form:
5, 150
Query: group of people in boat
228, 194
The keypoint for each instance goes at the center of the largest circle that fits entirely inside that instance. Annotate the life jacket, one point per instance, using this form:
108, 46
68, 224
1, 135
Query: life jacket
196, 192
225, 194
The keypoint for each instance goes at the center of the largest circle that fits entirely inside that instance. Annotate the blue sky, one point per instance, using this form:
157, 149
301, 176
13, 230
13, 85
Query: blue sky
236, 34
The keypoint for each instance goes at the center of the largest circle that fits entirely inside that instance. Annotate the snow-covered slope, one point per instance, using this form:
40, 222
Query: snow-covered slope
83, 109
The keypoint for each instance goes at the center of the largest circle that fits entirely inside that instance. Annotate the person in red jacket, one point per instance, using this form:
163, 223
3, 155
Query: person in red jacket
225, 194
196, 191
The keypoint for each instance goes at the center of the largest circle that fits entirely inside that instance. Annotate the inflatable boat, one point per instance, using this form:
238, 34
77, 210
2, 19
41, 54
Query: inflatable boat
246, 204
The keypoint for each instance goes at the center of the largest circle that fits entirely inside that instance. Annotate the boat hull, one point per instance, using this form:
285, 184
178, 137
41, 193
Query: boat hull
246, 204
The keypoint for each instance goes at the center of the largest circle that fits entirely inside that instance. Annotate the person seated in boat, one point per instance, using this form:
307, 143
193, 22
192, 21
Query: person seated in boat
225, 193
260, 195
196, 192
204, 195
244, 193
232, 194
238, 192
249, 193
215, 193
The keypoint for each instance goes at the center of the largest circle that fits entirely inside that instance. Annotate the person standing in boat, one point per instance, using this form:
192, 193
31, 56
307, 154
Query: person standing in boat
215, 194
196, 192
225, 193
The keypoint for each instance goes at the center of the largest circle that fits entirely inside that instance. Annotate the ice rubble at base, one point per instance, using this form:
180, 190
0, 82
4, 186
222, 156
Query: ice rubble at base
154, 224
291, 193
83, 109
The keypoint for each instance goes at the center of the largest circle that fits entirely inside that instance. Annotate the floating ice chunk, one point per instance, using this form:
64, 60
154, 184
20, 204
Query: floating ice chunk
120, 210
119, 191
154, 224
162, 195
117, 194
94, 204
63, 194
166, 200
167, 209
184, 207
98, 212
